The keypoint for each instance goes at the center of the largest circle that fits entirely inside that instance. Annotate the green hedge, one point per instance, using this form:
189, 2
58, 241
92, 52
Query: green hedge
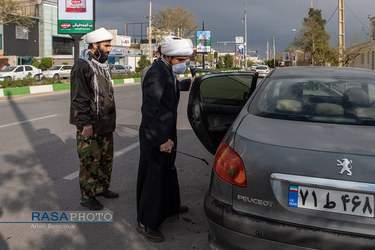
28, 81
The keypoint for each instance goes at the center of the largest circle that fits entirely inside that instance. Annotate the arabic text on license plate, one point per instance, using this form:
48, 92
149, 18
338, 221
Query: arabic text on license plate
331, 200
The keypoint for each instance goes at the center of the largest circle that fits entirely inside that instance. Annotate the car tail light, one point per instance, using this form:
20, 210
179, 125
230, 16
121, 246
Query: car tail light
229, 166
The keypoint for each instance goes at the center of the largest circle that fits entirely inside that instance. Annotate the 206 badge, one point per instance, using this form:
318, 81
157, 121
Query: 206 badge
346, 165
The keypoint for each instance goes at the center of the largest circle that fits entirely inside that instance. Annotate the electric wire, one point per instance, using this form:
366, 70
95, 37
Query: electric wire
357, 17
332, 15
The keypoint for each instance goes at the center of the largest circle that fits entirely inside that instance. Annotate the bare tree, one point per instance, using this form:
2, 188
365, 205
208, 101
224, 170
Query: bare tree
9, 13
356, 46
178, 20
353, 51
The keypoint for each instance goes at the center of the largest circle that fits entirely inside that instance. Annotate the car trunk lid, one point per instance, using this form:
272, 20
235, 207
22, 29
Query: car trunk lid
286, 157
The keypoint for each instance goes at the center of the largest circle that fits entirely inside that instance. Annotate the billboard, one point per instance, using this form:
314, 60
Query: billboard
203, 41
239, 39
286, 56
240, 49
75, 16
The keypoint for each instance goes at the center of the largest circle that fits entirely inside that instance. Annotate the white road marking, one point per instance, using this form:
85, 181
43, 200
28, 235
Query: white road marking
127, 149
75, 175
31, 120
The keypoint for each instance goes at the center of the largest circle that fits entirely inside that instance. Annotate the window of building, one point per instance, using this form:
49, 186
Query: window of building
368, 57
362, 58
1, 41
62, 46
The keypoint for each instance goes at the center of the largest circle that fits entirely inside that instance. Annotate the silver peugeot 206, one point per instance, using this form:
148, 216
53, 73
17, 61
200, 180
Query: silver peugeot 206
295, 157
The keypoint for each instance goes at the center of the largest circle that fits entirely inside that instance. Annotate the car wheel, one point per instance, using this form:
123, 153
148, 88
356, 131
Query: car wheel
56, 76
37, 77
8, 78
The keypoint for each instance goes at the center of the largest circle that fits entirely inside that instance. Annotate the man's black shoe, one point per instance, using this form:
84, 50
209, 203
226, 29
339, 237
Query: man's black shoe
107, 193
152, 235
91, 204
183, 209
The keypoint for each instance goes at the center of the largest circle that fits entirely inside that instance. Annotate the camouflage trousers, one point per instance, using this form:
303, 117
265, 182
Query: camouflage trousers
95, 163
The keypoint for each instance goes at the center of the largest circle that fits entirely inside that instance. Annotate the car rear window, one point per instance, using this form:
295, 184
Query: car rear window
8, 69
226, 90
261, 67
318, 100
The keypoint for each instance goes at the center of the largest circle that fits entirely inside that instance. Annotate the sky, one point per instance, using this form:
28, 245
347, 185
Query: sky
281, 19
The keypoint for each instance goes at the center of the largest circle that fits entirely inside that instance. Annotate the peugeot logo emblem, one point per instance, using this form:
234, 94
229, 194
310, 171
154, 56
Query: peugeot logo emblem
346, 165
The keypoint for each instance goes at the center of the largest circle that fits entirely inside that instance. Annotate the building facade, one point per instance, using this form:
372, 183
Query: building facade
366, 58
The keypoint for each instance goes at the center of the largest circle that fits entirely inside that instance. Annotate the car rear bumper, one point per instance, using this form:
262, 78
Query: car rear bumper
231, 230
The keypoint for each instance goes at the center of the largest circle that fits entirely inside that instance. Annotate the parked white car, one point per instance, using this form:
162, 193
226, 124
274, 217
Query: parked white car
253, 67
20, 72
262, 70
58, 71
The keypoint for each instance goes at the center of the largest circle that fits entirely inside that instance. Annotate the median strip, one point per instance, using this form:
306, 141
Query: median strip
65, 86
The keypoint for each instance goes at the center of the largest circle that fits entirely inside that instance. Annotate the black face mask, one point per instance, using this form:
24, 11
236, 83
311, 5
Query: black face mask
101, 55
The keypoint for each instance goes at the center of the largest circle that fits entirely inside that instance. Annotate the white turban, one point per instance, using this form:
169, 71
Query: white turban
176, 46
98, 35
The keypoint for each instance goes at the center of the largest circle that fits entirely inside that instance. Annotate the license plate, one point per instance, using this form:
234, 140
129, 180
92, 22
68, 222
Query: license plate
335, 201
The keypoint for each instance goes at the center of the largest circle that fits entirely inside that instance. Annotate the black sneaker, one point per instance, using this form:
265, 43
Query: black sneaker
107, 194
152, 235
91, 204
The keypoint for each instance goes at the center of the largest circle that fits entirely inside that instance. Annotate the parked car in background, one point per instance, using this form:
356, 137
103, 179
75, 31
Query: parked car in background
262, 70
294, 164
254, 66
119, 69
58, 71
20, 72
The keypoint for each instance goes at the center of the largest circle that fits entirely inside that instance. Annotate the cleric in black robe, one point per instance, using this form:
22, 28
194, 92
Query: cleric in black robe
158, 194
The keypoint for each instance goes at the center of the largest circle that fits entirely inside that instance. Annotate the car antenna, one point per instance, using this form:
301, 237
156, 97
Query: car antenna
191, 156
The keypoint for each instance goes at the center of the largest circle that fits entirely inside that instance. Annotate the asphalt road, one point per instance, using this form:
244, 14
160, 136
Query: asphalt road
39, 167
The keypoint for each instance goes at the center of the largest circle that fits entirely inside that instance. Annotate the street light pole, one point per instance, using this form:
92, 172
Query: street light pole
150, 34
341, 32
274, 52
245, 37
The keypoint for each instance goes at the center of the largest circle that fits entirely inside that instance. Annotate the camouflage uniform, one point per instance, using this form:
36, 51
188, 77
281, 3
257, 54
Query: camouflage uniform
96, 160
92, 103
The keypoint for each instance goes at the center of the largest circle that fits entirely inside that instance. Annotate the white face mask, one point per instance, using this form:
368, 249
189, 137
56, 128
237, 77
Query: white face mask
179, 68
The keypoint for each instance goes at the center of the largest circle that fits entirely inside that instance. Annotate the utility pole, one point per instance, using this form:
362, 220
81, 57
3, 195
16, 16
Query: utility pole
203, 54
274, 52
341, 32
150, 55
268, 51
312, 4
245, 36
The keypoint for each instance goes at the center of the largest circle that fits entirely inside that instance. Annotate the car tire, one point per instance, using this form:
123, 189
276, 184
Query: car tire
37, 78
7, 78
56, 76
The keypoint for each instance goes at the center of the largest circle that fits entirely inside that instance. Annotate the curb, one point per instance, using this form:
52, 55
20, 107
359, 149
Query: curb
65, 86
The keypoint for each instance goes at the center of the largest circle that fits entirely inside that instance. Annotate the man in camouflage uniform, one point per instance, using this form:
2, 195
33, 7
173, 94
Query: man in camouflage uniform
93, 111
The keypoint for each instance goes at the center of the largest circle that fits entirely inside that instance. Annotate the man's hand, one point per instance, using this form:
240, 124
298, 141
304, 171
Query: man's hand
87, 131
167, 147
192, 81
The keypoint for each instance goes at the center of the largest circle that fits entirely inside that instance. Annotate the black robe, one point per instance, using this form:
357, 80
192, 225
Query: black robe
158, 194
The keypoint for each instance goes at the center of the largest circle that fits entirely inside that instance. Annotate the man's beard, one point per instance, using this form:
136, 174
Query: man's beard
101, 55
